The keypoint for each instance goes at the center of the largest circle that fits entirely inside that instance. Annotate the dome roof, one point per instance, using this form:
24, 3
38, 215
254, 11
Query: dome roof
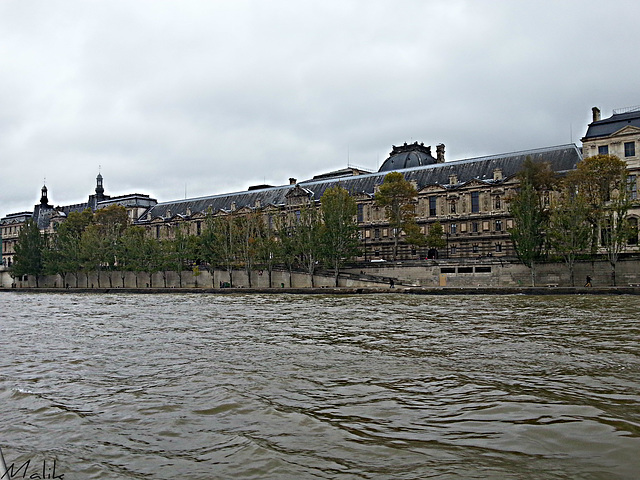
408, 156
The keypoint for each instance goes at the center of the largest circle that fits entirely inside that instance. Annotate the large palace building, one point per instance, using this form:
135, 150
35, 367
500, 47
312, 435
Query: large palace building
467, 197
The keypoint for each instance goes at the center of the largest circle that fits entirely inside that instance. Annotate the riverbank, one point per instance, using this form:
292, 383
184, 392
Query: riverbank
543, 290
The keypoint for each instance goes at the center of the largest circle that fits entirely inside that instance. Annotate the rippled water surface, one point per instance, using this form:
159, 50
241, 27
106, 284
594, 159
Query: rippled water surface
320, 387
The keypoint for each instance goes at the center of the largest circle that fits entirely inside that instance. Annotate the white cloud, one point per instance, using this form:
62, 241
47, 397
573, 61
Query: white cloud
221, 95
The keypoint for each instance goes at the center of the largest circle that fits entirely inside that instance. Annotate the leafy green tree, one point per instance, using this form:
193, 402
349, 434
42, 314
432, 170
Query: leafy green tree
182, 251
111, 223
64, 255
288, 244
247, 233
307, 231
435, 237
92, 247
339, 234
219, 244
166, 258
528, 207
269, 251
151, 257
569, 228
131, 252
398, 197
29, 255
210, 249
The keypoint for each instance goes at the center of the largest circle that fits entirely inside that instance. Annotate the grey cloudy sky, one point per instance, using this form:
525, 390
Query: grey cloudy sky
215, 96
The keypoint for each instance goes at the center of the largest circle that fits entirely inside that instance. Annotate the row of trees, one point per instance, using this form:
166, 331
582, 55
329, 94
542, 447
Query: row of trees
580, 214
105, 241
305, 239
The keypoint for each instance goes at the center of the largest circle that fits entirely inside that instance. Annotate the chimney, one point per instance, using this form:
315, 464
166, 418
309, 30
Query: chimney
440, 153
292, 181
596, 114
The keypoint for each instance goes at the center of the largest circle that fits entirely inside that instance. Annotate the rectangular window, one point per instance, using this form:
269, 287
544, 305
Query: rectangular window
452, 206
474, 227
157, 231
603, 150
498, 225
475, 202
376, 234
198, 228
432, 206
453, 228
632, 187
454, 250
360, 213
498, 247
630, 149
475, 248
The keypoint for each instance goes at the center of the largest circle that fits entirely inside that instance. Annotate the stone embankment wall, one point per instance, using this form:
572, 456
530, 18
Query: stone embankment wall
488, 272
259, 279
491, 272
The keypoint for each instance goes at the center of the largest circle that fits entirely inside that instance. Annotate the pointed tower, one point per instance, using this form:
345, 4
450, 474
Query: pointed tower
44, 200
99, 188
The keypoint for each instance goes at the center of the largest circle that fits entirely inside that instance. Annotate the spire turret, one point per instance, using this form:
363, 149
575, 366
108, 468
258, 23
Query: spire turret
99, 187
44, 200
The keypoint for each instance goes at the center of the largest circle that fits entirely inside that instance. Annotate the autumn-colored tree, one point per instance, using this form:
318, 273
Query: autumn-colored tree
602, 181
398, 197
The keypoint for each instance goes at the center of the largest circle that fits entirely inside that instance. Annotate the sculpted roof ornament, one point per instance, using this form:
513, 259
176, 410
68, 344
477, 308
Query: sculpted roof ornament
411, 155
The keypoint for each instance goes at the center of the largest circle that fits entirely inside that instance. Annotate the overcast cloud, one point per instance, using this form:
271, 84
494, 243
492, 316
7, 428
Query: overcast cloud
214, 96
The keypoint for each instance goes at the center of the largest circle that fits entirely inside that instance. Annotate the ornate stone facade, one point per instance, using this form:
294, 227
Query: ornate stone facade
467, 197
619, 135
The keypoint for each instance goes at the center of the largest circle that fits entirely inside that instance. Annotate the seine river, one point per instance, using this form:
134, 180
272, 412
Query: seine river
281, 386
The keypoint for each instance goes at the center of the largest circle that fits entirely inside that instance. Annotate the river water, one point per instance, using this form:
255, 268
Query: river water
282, 386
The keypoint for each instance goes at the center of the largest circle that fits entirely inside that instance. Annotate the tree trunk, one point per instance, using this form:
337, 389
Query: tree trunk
533, 274
572, 276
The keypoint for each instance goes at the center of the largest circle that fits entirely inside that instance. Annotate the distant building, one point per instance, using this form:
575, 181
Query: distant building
10, 227
49, 217
618, 135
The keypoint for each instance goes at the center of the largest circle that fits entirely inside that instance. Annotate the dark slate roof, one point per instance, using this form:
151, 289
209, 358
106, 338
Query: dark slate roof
407, 156
562, 158
608, 126
42, 215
